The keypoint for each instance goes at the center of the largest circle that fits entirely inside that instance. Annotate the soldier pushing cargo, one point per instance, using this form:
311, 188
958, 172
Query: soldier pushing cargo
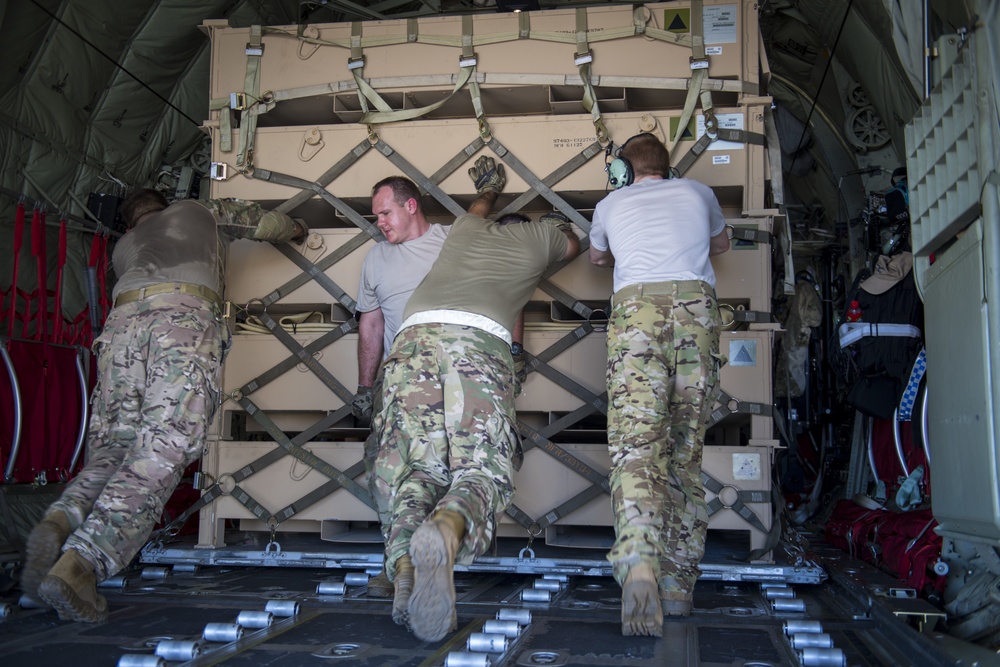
447, 426
663, 369
159, 360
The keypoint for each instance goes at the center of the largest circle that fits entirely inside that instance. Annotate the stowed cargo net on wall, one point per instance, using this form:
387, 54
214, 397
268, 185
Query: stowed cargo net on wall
548, 94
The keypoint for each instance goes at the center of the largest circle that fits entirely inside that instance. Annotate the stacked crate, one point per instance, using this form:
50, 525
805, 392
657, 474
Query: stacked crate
304, 144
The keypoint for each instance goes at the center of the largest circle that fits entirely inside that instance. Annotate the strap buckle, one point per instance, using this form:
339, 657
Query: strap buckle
255, 49
355, 63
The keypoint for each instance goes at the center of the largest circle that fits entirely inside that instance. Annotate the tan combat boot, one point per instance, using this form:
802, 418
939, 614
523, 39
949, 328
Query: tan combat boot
641, 612
71, 587
403, 586
677, 601
432, 549
44, 547
379, 586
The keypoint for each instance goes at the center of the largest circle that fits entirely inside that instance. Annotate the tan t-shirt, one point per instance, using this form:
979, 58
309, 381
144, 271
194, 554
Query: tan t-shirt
488, 269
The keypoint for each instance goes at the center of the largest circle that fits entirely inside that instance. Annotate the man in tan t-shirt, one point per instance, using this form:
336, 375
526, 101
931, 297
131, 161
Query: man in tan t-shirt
447, 426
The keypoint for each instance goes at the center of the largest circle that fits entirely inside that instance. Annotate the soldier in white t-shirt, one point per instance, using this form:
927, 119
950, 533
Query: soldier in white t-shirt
390, 273
663, 365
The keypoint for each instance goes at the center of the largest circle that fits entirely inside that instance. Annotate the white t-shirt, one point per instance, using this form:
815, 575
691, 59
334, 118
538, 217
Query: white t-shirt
390, 274
658, 231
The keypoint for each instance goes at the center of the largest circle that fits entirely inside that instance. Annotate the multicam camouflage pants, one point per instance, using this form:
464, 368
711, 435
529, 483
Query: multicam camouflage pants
663, 365
447, 433
378, 490
157, 389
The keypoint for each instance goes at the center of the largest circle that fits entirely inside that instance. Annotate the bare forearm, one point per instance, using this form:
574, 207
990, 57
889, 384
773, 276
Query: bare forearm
370, 331
483, 204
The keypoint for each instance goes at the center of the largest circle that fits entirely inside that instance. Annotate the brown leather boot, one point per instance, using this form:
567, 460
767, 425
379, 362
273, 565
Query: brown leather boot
71, 587
379, 586
403, 587
432, 549
641, 612
44, 548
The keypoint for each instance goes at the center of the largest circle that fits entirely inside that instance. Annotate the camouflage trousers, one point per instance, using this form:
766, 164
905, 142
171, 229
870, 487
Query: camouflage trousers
158, 364
663, 370
446, 432
379, 491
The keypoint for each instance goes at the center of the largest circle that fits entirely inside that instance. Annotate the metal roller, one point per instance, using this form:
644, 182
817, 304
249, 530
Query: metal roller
463, 659
222, 632
141, 660
178, 651
556, 577
331, 588
6, 610
547, 585
798, 626
811, 640
785, 604
255, 619
282, 607
186, 567
28, 602
118, 582
522, 616
356, 579
776, 593
535, 595
154, 573
822, 657
509, 629
487, 643
772, 584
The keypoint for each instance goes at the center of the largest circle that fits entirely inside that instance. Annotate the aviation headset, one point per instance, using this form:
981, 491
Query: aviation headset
620, 172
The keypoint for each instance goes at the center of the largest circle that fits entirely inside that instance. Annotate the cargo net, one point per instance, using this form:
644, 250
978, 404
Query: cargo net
592, 317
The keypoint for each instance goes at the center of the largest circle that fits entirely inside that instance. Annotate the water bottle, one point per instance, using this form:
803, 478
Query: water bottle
854, 312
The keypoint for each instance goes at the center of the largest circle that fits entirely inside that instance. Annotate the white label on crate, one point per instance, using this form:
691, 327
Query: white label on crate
713, 51
742, 352
730, 121
720, 24
720, 159
746, 467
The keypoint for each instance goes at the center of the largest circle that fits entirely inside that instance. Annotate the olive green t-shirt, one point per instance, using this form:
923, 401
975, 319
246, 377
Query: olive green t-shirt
488, 269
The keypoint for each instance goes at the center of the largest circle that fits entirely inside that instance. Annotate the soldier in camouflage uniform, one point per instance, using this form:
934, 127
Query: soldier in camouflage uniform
158, 361
663, 365
447, 422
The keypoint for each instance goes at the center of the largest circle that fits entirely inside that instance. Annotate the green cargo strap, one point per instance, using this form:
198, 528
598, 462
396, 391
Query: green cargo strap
583, 59
323, 193
556, 176
324, 263
468, 62
303, 454
417, 177
774, 534
733, 406
327, 177
288, 363
721, 134
356, 62
251, 87
537, 185
523, 25
739, 505
221, 104
578, 466
467, 67
412, 30
699, 66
